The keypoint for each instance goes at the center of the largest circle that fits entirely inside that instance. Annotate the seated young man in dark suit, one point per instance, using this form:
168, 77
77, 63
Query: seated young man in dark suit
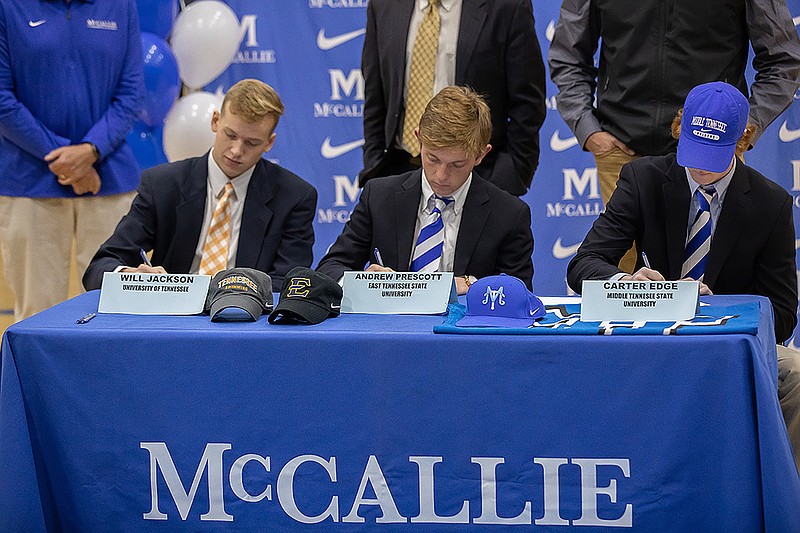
442, 217
227, 208
705, 215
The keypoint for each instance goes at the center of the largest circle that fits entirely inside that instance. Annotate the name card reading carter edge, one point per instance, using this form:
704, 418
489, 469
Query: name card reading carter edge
424, 293
639, 300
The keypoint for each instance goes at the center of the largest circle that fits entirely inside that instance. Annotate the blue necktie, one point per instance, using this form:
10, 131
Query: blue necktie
428, 250
698, 242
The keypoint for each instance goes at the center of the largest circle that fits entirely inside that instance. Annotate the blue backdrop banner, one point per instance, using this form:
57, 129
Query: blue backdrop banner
316, 70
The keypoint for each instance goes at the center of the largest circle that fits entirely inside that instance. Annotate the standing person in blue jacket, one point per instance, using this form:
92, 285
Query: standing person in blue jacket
71, 85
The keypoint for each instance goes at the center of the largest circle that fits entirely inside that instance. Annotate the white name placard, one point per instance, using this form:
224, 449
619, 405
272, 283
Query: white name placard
639, 300
153, 294
384, 293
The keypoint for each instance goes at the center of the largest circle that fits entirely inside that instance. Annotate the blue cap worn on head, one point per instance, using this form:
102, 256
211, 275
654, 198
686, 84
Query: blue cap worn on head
714, 118
501, 301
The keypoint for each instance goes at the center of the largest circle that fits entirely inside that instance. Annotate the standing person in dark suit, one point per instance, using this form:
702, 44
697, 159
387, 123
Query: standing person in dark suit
703, 215
228, 208
490, 46
443, 217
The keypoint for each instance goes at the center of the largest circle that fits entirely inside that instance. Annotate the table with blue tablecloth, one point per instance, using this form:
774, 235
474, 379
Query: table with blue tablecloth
376, 423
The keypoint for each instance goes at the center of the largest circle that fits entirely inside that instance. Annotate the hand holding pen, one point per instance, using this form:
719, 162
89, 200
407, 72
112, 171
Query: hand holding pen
378, 265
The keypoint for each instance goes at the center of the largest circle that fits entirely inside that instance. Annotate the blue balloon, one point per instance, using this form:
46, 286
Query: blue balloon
161, 81
146, 143
157, 16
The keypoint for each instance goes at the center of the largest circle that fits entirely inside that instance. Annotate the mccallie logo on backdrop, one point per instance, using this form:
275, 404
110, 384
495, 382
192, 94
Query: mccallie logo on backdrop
337, 3
249, 39
345, 195
347, 95
581, 196
595, 499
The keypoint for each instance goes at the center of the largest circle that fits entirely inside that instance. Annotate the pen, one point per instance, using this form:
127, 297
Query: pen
144, 257
86, 318
378, 257
646, 262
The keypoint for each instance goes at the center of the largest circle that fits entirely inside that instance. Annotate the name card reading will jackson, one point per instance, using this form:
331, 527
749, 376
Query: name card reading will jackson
153, 294
639, 300
424, 293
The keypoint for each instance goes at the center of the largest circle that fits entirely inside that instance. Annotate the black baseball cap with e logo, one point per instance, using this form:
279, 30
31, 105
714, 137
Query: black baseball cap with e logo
307, 297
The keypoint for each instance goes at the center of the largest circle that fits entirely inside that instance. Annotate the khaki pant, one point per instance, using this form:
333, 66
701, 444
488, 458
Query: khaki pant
789, 396
608, 168
36, 240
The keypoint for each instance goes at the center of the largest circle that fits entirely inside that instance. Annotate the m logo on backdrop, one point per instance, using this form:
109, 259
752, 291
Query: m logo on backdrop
576, 202
318, 4
343, 102
252, 55
346, 192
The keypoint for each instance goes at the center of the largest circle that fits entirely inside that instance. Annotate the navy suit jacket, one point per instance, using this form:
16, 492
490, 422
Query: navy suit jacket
167, 216
494, 236
497, 54
752, 249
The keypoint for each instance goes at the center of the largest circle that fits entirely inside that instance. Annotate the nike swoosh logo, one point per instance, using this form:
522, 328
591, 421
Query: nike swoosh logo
787, 135
550, 30
562, 252
326, 43
557, 144
334, 307
329, 152
33, 24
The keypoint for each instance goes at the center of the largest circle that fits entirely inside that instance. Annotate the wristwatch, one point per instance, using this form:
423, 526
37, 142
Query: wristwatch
94, 150
469, 280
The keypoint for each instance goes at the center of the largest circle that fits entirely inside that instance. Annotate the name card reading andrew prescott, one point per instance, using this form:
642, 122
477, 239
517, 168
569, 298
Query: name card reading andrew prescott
396, 292
639, 300
153, 294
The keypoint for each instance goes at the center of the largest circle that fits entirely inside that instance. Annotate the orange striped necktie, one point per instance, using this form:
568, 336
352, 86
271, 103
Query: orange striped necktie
215, 250
421, 74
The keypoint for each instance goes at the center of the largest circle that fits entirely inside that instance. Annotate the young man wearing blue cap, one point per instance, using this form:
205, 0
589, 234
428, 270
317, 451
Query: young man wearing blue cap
705, 215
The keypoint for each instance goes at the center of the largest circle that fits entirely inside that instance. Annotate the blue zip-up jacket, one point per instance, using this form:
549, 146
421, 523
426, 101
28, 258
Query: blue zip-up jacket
69, 73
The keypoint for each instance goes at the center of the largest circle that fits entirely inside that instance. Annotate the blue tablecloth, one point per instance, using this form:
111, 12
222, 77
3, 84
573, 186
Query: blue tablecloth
137, 423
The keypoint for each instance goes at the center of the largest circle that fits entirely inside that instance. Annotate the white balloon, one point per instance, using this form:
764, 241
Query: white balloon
205, 39
187, 128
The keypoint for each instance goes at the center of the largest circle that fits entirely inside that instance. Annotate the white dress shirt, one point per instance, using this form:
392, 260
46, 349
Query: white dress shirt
216, 184
445, 73
451, 218
721, 186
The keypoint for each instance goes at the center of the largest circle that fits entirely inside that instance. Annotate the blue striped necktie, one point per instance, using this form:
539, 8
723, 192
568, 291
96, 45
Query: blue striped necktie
698, 243
428, 250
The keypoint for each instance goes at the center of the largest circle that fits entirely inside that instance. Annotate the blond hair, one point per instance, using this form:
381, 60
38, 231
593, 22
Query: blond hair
742, 145
252, 100
457, 116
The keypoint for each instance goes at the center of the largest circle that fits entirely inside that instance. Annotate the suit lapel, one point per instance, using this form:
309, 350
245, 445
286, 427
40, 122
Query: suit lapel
476, 213
733, 219
189, 215
473, 15
256, 216
406, 205
676, 215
